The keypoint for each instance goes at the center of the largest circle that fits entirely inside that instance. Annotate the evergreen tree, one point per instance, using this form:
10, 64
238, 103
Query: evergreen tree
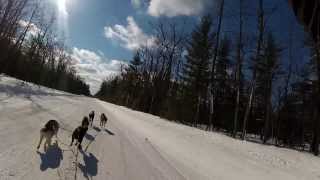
224, 101
196, 70
268, 68
132, 80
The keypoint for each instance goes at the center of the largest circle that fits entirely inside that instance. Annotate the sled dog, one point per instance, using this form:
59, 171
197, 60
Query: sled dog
103, 120
80, 132
91, 117
49, 130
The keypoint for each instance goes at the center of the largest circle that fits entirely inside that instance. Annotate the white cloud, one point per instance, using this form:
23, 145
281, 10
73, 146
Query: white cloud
94, 67
84, 56
173, 8
131, 36
33, 29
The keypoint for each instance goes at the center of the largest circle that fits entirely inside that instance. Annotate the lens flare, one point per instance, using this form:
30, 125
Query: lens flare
62, 17
62, 7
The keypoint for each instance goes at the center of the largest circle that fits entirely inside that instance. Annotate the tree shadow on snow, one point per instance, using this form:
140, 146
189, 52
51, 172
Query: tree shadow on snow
22, 89
90, 167
51, 158
109, 132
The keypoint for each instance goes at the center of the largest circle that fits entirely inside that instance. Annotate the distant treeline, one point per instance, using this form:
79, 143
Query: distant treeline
217, 81
31, 51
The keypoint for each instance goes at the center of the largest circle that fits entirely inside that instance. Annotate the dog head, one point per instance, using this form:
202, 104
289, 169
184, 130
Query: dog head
56, 128
52, 125
85, 122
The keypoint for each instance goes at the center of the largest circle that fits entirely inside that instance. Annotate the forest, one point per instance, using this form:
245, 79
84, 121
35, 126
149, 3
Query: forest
32, 50
254, 89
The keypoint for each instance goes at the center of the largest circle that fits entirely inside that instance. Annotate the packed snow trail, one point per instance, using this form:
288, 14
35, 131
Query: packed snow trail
107, 153
134, 145
199, 154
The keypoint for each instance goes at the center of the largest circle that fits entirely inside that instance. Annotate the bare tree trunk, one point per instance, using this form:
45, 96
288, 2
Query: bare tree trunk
258, 52
6, 13
247, 113
12, 14
196, 118
315, 140
278, 123
286, 88
22, 36
268, 110
238, 73
213, 67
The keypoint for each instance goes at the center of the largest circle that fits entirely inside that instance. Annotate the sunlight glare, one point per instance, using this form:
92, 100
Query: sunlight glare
62, 7
62, 17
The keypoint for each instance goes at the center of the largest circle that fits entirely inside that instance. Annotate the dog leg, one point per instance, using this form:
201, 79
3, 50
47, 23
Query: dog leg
47, 144
49, 141
72, 141
56, 142
79, 147
41, 138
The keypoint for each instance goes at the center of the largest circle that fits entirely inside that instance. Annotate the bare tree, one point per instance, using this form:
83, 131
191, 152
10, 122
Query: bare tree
238, 69
213, 66
261, 29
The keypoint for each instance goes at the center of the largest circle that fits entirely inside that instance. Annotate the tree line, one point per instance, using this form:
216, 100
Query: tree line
217, 81
32, 51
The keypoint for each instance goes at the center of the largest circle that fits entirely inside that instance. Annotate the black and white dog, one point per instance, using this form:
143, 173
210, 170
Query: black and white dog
91, 117
103, 120
80, 132
49, 130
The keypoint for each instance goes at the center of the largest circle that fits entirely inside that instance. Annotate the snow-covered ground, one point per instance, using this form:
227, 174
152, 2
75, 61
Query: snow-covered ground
134, 145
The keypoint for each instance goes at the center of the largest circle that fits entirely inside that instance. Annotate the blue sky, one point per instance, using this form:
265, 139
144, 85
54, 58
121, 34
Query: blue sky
102, 34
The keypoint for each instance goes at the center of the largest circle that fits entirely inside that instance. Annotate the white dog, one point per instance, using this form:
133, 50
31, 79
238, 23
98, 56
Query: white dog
49, 130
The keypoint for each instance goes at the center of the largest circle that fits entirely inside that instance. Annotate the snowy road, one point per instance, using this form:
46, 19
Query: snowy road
110, 153
135, 145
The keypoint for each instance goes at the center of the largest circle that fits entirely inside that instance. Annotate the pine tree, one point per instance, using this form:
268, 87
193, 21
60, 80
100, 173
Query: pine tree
223, 63
196, 72
223, 90
268, 68
261, 31
132, 80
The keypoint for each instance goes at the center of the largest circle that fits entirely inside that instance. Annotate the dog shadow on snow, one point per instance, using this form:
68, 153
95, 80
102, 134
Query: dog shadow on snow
51, 159
89, 137
105, 129
96, 128
90, 166
109, 132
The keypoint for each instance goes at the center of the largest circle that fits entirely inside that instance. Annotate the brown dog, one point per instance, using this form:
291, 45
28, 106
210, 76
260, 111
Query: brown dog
49, 130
